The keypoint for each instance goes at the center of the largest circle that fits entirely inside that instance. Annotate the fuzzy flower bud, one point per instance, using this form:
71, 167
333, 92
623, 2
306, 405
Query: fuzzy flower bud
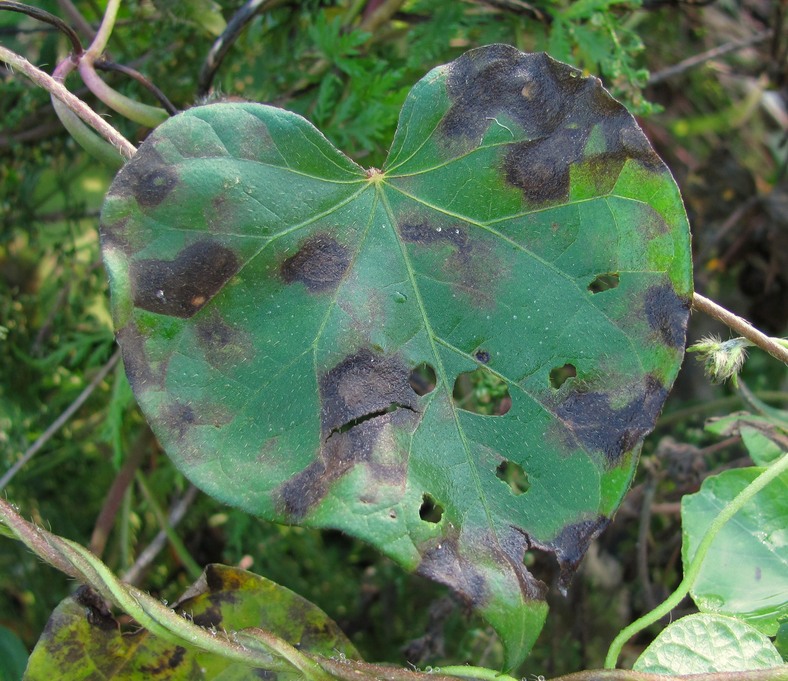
722, 359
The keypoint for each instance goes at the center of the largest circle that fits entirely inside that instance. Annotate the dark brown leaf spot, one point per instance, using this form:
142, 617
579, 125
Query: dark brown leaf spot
359, 397
183, 286
443, 562
224, 346
531, 89
541, 167
146, 177
319, 264
667, 313
600, 428
556, 109
570, 546
170, 660
96, 610
482, 356
429, 235
177, 418
138, 369
210, 617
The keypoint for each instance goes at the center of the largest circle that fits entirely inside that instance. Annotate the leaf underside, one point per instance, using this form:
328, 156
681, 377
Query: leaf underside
278, 306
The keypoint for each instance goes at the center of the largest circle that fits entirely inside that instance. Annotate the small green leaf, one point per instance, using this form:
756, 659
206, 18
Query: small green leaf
13, 655
83, 640
703, 643
744, 572
275, 302
765, 438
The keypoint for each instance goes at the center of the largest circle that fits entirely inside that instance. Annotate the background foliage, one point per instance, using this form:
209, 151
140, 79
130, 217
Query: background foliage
721, 127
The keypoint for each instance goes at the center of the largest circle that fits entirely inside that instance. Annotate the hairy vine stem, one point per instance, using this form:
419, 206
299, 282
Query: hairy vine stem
741, 326
58, 90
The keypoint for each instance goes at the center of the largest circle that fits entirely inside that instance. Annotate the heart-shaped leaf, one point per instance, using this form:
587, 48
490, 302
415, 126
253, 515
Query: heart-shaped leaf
294, 326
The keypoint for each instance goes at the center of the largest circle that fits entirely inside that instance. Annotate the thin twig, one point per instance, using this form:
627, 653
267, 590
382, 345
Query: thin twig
740, 326
47, 18
644, 531
114, 497
225, 41
76, 17
703, 57
61, 420
58, 90
148, 555
384, 12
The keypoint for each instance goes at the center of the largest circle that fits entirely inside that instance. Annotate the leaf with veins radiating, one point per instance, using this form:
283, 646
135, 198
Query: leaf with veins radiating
278, 308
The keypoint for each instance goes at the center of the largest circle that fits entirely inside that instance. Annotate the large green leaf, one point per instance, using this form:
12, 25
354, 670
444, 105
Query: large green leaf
745, 572
83, 641
294, 325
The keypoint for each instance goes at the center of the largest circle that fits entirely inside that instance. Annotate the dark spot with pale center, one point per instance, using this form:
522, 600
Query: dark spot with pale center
667, 313
359, 397
598, 427
319, 264
146, 177
482, 356
183, 286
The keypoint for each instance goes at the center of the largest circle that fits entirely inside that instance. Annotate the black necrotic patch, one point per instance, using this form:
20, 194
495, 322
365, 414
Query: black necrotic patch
557, 110
541, 167
146, 177
183, 286
359, 397
319, 264
569, 546
500, 79
667, 313
598, 427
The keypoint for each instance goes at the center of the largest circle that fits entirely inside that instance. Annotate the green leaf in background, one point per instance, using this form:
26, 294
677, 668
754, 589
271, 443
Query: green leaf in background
297, 329
82, 640
745, 572
13, 655
703, 643
765, 438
